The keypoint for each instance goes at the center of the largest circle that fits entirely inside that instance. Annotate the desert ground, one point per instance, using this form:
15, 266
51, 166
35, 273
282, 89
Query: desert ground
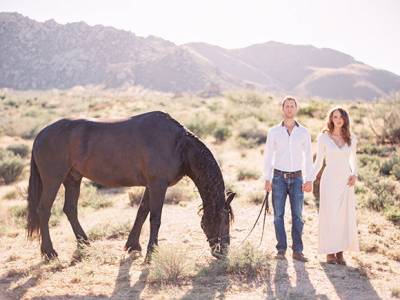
233, 125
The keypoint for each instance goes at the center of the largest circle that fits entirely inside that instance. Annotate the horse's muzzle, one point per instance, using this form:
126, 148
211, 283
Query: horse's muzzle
219, 250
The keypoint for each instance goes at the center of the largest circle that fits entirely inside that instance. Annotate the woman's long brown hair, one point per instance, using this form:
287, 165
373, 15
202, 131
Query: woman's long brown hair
346, 124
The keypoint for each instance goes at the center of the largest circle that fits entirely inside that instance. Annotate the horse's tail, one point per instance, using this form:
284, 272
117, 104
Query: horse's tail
34, 193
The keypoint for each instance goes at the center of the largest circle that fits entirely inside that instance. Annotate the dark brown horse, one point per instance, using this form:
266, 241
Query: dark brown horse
151, 150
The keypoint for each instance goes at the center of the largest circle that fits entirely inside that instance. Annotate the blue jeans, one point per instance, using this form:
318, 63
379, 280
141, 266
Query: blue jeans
282, 187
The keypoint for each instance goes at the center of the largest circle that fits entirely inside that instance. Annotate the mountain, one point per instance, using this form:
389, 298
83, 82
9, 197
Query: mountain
44, 55
304, 70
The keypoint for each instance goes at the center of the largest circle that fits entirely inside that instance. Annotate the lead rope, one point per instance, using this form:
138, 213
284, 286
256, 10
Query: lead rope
265, 206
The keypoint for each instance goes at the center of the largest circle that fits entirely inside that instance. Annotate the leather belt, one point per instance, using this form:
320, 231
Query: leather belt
287, 174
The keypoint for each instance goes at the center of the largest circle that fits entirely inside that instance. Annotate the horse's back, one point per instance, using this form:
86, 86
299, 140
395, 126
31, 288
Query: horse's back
131, 150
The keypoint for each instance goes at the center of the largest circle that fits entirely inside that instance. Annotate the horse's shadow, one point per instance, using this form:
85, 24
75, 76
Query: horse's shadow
215, 274
123, 288
13, 276
350, 282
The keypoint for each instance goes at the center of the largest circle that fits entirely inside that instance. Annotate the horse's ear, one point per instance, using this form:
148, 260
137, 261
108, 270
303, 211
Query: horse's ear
229, 198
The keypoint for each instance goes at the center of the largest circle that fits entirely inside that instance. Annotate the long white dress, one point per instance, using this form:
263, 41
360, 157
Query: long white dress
337, 209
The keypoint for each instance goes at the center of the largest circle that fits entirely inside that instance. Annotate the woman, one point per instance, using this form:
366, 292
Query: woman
337, 211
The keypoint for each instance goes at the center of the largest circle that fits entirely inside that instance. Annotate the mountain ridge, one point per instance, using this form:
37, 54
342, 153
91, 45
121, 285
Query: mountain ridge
44, 55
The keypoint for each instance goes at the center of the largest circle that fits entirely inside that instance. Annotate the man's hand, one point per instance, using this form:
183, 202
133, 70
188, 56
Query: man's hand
307, 186
268, 186
352, 180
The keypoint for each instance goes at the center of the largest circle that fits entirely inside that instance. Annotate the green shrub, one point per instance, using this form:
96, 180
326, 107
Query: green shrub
21, 150
201, 127
248, 261
247, 174
256, 197
373, 149
388, 165
396, 171
11, 168
109, 231
90, 197
314, 109
222, 133
169, 265
135, 196
393, 214
174, 195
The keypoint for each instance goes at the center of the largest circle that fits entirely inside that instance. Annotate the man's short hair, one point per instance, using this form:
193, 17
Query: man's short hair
289, 98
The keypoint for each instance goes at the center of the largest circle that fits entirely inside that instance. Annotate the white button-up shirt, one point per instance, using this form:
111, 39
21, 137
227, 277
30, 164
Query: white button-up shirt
288, 153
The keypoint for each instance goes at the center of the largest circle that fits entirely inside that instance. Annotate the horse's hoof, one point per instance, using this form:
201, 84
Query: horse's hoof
147, 259
133, 248
83, 242
49, 254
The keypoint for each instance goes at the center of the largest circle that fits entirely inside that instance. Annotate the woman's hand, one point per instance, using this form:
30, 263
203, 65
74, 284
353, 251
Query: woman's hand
352, 180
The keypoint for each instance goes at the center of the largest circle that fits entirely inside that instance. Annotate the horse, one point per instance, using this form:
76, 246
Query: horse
151, 150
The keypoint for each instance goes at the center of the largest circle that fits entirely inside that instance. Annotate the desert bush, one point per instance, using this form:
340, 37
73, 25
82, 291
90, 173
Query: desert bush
178, 194
252, 137
201, 127
393, 214
383, 196
91, 197
396, 171
222, 133
314, 109
385, 121
248, 98
11, 166
109, 231
373, 149
389, 164
11, 195
395, 291
135, 196
18, 212
247, 261
21, 150
247, 174
256, 197
169, 265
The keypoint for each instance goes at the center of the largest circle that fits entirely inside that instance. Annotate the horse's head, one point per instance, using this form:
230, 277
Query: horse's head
217, 228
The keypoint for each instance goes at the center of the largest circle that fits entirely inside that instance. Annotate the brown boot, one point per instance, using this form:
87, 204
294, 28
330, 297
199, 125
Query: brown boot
281, 254
340, 259
300, 257
331, 259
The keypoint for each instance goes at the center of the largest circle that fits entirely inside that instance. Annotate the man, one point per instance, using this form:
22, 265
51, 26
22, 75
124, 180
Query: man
287, 153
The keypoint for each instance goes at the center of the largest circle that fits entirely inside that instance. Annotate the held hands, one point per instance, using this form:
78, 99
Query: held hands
307, 186
352, 180
268, 186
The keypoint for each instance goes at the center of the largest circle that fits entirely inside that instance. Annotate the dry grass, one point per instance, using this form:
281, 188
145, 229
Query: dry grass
248, 262
234, 130
110, 230
170, 265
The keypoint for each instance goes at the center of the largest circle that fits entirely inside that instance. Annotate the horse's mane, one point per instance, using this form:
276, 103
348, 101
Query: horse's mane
206, 164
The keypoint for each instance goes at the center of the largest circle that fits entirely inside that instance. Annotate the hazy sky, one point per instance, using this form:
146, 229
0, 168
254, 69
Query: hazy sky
367, 30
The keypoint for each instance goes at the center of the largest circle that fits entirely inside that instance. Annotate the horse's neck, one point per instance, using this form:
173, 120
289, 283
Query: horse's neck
207, 176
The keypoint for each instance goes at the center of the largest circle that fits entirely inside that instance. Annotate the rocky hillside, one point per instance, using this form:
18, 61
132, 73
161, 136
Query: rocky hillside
36, 55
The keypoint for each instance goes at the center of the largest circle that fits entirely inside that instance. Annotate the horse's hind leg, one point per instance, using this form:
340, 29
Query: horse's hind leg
49, 192
132, 243
72, 186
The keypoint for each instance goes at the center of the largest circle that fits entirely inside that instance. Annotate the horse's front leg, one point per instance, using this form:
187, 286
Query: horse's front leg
133, 243
156, 200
